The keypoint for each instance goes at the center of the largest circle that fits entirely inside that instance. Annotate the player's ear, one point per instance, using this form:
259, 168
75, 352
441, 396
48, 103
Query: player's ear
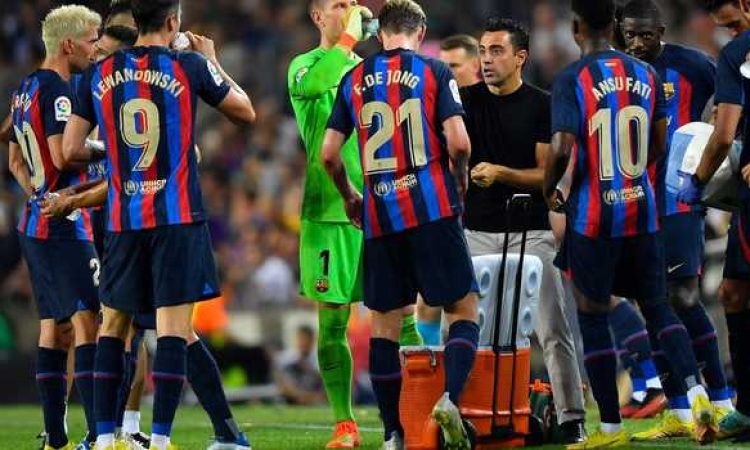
421, 33
521, 57
67, 46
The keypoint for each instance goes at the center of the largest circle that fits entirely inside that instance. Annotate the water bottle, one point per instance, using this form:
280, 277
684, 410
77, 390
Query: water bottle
370, 27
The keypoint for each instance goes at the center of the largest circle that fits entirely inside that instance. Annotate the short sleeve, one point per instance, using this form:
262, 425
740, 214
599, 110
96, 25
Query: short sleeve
56, 107
543, 127
12, 136
448, 95
729, 84
565, 110
83, 102
341, 116
660, 106
208, 82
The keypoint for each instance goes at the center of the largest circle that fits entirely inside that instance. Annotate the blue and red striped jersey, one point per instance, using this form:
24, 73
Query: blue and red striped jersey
144, 100
610, 102
397, 102
40, 108
732, 88
688, 76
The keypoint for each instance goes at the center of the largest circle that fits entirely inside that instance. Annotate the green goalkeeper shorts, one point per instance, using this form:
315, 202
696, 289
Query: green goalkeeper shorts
330, 260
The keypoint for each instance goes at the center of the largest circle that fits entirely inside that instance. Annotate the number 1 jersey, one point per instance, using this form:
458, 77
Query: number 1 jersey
144, 101
397, 101
610, 102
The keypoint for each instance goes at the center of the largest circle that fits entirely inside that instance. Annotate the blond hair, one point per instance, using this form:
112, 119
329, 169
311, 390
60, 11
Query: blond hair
71, 21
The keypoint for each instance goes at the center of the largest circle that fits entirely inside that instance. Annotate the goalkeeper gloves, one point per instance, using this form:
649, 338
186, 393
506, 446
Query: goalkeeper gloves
356, 22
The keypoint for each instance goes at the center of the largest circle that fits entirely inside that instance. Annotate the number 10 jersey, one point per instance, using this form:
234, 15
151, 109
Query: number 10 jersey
610, 102
144, 100
396, 101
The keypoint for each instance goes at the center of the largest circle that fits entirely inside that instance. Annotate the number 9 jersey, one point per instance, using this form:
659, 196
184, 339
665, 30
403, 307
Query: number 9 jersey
144, 100
610, 102
397, 101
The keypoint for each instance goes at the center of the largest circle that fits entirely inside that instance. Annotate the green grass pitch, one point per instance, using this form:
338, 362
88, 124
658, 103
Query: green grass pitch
269, 427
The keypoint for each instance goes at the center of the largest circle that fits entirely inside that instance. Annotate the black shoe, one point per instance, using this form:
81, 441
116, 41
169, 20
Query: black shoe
573, 431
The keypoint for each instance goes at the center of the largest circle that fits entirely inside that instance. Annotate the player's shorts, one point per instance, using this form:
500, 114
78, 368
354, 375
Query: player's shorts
631, 267
683, 239
63, 276
145, 320
432, 260
166, 266
330, 258
737, 263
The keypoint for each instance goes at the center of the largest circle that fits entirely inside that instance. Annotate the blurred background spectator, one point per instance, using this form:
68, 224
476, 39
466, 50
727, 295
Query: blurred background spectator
252, 179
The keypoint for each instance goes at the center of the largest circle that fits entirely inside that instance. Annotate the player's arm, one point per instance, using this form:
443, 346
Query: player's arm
236, 104
565, 123
727, 120
459, 150
94, 195
18, 168
313, 80
75, 153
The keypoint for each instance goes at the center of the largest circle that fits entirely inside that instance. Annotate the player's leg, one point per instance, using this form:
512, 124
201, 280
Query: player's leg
428, 322
132, 416
85, 329
385, 369
331, 274
644, 259
131, 349
630, 333
445, 277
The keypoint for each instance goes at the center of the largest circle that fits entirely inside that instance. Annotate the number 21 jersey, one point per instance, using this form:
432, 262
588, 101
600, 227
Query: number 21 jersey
144, 100
610, 102
396, 101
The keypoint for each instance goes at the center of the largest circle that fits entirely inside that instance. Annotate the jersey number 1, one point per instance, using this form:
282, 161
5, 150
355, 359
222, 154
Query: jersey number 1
140, 128
630, 165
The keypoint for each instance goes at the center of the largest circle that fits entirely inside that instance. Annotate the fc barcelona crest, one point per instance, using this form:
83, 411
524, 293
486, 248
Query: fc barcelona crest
321, 285
669, 91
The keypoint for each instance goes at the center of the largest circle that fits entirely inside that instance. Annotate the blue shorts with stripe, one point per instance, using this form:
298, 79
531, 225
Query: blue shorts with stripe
63, 276
630, 267
431, 259
145, 270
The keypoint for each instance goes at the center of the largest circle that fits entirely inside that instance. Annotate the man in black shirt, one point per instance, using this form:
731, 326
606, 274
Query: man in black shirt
509, 126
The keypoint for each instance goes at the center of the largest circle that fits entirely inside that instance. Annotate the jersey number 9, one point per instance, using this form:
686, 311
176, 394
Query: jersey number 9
140, 128
631, 120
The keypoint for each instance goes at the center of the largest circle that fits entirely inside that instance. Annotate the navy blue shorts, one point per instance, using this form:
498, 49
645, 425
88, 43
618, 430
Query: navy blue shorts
145, 321
737, 264
431, 259
631, 267
683, 244
165, 266
99, 227
63, 276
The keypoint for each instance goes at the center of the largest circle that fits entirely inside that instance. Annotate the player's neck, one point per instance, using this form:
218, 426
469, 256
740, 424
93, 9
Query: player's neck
511, 85
57, 64
152, 40
595, 45
396, 41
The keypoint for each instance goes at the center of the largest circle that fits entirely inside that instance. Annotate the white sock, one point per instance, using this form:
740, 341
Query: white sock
696, 391
653, 383
639, 396
159, 442
105, 440
611, 428
684, 415
726, 404
131, 422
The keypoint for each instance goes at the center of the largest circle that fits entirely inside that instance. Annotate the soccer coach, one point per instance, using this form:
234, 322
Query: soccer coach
509, 126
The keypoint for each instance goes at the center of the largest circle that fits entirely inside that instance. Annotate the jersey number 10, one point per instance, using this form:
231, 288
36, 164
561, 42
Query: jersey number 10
630, 165
409, 112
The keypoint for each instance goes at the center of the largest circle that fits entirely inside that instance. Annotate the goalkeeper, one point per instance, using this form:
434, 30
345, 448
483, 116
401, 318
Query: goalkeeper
330, 247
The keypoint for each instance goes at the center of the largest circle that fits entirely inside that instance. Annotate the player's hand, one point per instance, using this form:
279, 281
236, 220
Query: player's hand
691, 191
353, 206
202, 45
556, 201
57, 207
746, 174
354, 22
485, 175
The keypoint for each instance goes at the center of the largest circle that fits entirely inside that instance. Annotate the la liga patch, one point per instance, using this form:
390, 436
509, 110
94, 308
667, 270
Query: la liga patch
63, 109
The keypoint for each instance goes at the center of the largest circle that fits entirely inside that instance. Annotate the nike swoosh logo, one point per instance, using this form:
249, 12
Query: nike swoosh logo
672, 269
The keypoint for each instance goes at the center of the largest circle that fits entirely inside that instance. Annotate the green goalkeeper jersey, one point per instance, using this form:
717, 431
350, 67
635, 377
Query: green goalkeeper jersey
313, 81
